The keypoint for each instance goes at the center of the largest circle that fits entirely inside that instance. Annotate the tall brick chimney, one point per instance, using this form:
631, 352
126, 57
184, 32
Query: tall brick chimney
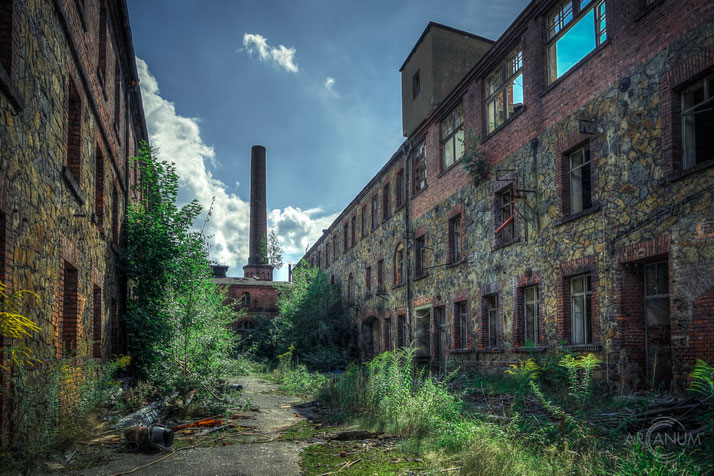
258, 266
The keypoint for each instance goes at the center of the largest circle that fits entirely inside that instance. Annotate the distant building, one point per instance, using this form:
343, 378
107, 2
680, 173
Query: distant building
70, 116
591, 229
255, 293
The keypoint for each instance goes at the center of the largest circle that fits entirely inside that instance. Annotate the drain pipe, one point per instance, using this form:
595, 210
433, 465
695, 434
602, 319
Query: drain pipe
407, 239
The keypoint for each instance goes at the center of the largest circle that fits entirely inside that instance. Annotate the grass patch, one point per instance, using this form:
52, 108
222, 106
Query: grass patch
301, 431
360, 458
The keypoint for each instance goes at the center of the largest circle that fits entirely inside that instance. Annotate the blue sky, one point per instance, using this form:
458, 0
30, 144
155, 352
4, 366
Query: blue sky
315, 81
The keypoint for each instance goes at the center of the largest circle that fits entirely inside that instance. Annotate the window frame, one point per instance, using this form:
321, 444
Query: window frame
386, 209
577, 12
455, 239
461, 324
418, 167
364, 221
375, 212
402, 332
399, 188
368, 282
708, 93
353, 233
509, 69
380, 276
388, 334
399, 264
345, 236
586, 164
587, 296
535, 302
452, 136
420, 256
491, 315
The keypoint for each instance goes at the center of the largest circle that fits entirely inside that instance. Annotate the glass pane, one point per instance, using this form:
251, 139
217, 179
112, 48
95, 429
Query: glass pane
583, 3
459, 144
657, 311
577, 310
577, 285
516, 95
491, 115
498, 120
448, 153
576, 191
576, 43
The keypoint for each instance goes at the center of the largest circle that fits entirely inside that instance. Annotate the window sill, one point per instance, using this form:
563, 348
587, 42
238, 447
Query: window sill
575, 216
527, 350
8, 87
503, 125
420, 277
691, 170
73, 185
498, 246
575, 67
648, 8
491, 350
581, 347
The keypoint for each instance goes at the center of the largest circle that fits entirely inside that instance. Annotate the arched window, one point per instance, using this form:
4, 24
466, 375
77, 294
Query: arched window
399, 265
245, 299
350, 289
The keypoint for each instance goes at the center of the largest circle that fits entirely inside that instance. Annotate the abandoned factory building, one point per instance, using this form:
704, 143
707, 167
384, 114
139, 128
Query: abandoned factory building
590, 226
70, 116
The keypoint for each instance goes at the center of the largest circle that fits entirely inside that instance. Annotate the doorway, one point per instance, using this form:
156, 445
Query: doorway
423, 333
440, 343
658, 329
370, 338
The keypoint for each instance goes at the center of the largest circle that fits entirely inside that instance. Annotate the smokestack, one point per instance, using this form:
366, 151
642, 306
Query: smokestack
257, 265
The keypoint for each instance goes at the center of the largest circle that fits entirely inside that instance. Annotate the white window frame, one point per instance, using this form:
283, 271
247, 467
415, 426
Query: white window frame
497, 86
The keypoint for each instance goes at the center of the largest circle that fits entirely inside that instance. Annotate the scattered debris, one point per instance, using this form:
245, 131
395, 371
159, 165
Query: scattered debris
152, 436
146, 416
204, 422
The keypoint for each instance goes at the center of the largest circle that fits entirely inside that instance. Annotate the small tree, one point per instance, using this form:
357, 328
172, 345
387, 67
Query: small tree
270, 251
313, 319
473, 160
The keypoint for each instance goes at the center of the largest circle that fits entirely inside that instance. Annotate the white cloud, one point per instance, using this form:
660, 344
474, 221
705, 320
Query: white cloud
282, 56
178, 139
329, 82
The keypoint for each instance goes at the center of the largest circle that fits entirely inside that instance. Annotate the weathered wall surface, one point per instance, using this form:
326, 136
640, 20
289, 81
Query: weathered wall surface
66, 131
645, 207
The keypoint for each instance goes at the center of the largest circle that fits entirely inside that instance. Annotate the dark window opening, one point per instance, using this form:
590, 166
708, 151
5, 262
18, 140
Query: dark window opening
74, 133
70, 309
386, 212
416, 85
327, 255
399, 272
380, 276
99, 187
530, 315
491, 327
351, 290
388, 334
420, 256
368, 281
245, 299
375, 219
455, 248
6, 35
102, 60
97, 322
353, 231
461, 325
402, 334
117, 97
399, 190
364, 221
115, 215
698, 122
345, 237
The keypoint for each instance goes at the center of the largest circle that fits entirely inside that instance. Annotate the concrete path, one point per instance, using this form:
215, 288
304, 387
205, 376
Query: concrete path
262, 457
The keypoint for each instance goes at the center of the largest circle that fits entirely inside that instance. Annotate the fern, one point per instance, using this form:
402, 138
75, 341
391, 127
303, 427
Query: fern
703, 379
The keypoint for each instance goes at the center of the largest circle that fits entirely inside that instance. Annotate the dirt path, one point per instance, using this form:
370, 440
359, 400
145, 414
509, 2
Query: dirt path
260, 452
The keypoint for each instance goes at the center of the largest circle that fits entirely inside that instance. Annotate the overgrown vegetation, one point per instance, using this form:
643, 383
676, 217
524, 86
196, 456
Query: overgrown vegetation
294, 378
313, 321
15, 326
473, 159
177, 323
391, 394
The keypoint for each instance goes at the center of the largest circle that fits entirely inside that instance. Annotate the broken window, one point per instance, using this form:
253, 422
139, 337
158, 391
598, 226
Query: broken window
399, 265
461, 320
580, 180
505, 225
698, 122
455, 239
416, 85
385, 202
374, 212
530, 315
380, 276
245, 299
70, 309
581, 309
419, 167
491, 327
420, 256
504, 90
399, 191
575, 28
368, 282
452, 137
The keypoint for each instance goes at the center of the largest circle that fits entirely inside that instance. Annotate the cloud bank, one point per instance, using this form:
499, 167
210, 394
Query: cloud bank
178, 139
280, 56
